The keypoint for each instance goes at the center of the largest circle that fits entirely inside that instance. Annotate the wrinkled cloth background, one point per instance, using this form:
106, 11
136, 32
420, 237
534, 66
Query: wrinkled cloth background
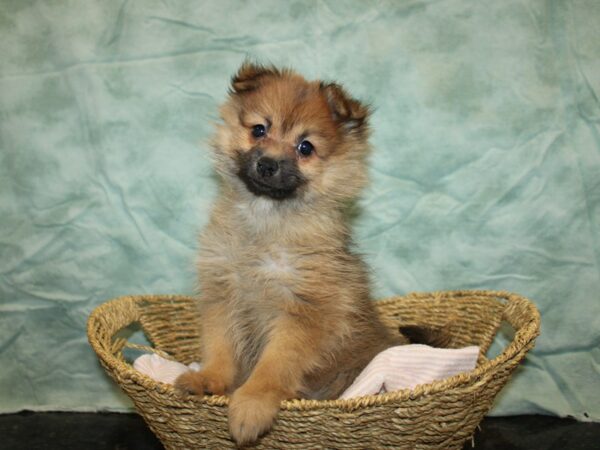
485, 173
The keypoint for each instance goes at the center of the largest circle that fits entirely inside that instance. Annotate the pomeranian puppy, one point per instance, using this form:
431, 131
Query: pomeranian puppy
284, 301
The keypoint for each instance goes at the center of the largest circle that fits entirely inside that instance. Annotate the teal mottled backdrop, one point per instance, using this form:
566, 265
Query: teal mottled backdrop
486, 172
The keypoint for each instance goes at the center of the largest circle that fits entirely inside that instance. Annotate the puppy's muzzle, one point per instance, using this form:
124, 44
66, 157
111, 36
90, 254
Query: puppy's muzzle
266, 176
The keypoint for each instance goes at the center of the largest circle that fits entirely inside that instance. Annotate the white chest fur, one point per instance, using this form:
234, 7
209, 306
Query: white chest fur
276, 265
250, 272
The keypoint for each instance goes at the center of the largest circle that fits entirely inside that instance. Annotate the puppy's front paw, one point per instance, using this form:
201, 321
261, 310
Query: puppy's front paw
200, 383
250, 415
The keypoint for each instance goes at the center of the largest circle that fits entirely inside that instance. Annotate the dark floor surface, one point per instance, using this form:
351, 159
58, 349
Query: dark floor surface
65, 431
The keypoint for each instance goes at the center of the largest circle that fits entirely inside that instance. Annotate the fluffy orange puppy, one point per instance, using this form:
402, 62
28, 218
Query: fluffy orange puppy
284, 300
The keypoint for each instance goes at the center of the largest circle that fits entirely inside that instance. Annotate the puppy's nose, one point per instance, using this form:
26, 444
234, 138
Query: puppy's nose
266, 167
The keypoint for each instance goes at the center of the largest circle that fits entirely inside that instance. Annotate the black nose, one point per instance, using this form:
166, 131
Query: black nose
266, 167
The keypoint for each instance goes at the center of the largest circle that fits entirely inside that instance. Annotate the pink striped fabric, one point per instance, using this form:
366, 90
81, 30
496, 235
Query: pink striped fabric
407, 366
401, 367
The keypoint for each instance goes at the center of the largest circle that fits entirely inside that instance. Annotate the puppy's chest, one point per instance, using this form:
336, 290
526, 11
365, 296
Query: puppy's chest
253, 272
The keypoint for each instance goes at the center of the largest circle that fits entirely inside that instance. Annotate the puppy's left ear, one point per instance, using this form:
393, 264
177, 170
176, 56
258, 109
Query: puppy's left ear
249, 77
351, 114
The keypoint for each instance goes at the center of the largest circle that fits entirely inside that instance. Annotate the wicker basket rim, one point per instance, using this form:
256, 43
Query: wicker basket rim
523, 340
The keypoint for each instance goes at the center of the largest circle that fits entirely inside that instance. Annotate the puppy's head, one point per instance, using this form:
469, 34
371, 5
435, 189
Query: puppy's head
289, 139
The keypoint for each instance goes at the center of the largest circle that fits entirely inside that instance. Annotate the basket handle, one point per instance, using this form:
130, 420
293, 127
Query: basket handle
524, 317
103, 324
148, 349
522, 314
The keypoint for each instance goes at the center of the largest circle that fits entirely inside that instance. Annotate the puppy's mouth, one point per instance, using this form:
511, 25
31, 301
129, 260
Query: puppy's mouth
262, 175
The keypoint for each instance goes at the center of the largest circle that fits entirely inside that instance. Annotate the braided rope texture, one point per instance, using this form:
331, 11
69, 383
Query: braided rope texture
439, 415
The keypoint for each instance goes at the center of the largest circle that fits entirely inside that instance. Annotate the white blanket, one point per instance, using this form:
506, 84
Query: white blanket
401, 367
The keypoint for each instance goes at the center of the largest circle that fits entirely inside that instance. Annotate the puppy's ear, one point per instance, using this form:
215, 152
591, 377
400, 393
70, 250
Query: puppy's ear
249, 77
351, 114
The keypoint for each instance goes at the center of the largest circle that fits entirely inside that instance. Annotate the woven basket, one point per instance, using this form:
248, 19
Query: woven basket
440, 415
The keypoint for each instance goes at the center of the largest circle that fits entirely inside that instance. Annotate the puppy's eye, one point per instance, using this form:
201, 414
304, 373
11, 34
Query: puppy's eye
305, 148
259, 131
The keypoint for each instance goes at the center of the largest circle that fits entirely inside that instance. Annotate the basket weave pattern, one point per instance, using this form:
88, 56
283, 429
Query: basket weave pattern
439, 415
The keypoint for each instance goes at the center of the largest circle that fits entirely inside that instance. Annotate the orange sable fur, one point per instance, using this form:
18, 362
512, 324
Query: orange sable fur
284, 300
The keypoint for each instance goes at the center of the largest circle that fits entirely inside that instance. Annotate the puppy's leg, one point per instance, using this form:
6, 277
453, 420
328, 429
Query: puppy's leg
289, 353
218, 365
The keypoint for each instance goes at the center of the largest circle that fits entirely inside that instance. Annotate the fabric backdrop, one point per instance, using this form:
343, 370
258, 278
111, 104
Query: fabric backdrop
485, 172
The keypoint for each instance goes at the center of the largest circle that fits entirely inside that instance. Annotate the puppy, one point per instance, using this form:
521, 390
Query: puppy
284, 300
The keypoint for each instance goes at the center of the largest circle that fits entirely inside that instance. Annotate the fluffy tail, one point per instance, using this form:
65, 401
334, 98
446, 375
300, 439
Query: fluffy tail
438, 336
